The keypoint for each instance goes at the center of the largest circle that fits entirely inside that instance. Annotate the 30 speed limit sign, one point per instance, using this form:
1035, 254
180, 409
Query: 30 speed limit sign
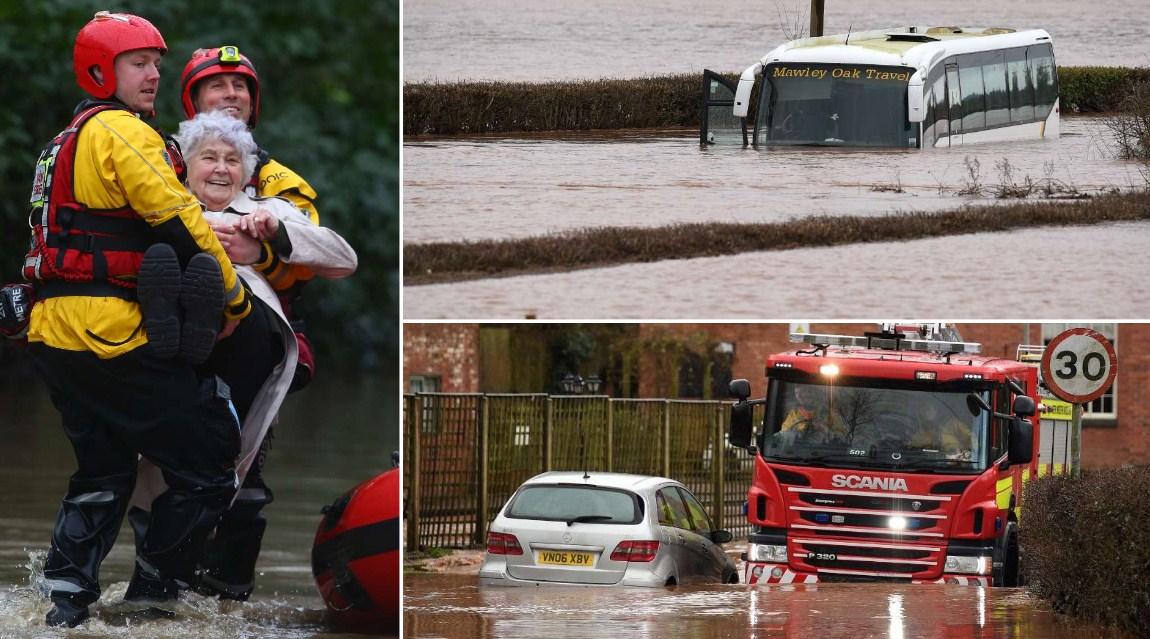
1079, 365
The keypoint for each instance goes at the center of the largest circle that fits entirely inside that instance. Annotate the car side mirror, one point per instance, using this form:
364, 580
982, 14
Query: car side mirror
1024, 406
1021, 444
721, 536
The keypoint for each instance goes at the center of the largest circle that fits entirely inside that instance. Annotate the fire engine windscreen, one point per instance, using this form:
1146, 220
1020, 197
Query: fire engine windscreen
836, 104
877, 427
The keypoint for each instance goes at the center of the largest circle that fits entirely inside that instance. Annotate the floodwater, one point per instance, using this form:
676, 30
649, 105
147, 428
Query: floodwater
455, 40
455, 606
332, 435
509, 187
1091, 271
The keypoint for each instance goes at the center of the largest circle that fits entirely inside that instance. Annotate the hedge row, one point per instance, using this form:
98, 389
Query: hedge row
656, 102
453, 261
1086, 545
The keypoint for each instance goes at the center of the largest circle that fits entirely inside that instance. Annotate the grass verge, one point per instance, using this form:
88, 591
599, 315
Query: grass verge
456, 261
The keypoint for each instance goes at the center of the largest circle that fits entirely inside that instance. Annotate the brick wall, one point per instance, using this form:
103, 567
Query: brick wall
449, 351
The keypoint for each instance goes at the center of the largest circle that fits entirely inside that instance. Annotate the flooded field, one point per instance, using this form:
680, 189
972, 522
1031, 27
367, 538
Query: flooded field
452, 40
1094, 271
518, 187
455, 606
479, 188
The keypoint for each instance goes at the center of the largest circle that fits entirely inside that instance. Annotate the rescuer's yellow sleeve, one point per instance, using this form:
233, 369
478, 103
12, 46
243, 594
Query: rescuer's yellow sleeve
277, 180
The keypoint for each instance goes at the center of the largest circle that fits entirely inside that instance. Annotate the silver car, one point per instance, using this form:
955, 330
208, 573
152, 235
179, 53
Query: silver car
604, 529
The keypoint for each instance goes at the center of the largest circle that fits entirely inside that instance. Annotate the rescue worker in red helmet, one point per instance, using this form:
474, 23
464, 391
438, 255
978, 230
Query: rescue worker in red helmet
113, 231
222, 78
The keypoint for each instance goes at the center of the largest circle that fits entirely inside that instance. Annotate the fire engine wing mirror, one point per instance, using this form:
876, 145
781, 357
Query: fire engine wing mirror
740, 389
1021, 442
721, 536
741, 424
976, 404
1024, 406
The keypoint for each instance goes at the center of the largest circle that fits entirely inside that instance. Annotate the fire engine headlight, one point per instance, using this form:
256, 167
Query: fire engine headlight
760, 552
896, 523
969, 565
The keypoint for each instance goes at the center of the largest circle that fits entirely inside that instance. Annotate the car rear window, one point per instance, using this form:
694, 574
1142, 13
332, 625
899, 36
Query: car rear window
566, 503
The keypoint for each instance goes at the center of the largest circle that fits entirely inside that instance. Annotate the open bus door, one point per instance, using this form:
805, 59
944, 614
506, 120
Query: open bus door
717, 121
954, 93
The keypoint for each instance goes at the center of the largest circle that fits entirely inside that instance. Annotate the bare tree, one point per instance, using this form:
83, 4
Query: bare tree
792, 20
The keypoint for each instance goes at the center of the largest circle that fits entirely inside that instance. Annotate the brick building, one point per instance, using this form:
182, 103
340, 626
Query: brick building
697, 360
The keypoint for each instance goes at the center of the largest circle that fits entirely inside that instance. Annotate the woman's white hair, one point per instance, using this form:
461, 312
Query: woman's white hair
215, 125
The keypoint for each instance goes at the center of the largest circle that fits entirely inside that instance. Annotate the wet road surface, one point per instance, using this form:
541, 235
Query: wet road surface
454, 606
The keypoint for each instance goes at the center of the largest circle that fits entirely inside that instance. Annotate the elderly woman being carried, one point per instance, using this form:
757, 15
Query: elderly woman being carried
258, 360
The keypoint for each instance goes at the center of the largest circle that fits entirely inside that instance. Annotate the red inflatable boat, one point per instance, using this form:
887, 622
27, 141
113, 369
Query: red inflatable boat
356, 558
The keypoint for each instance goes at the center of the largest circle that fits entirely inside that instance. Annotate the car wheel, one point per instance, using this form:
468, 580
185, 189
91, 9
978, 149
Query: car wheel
671, 582
733, 578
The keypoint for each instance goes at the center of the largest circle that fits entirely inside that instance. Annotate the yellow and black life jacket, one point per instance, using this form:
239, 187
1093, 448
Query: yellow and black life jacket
77, 250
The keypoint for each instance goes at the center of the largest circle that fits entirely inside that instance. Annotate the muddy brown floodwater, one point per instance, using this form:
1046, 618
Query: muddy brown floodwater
455, 606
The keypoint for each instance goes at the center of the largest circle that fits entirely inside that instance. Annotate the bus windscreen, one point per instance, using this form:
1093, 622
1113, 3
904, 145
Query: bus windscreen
837, 105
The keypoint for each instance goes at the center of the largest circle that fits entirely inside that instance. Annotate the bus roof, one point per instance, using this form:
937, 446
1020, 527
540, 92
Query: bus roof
915, 47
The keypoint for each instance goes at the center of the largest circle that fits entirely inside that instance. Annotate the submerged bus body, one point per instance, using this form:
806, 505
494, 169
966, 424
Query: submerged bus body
912, 87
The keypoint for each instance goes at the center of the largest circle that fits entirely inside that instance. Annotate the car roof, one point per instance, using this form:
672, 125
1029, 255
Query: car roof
597, 478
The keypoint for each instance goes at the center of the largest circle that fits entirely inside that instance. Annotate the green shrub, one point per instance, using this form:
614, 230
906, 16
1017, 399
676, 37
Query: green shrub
1086, 545
1097, 89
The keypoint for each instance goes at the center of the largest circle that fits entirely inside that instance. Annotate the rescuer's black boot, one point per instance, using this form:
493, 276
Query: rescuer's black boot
65, 614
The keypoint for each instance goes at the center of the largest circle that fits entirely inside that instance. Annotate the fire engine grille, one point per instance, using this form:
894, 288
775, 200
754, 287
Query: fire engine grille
900, 505
866, 560
868, 551
846, 535
879, 522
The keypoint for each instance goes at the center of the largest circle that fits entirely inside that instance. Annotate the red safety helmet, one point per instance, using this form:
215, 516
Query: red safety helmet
206, 63
106, 36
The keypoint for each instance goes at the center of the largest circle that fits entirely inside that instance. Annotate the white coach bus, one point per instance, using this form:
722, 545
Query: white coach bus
911, 87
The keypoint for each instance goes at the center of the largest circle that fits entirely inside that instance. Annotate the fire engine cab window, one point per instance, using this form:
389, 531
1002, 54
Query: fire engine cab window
922, 428
1001, 425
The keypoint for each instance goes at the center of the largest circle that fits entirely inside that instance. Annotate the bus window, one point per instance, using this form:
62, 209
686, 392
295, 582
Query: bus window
1045, 82
953, 90
973, 96
997, 99
1021, 86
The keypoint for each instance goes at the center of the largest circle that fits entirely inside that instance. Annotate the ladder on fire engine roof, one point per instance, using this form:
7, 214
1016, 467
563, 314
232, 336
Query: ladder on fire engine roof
887, 341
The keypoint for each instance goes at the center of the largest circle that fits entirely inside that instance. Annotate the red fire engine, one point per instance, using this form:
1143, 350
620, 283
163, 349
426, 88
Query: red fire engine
899, 455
